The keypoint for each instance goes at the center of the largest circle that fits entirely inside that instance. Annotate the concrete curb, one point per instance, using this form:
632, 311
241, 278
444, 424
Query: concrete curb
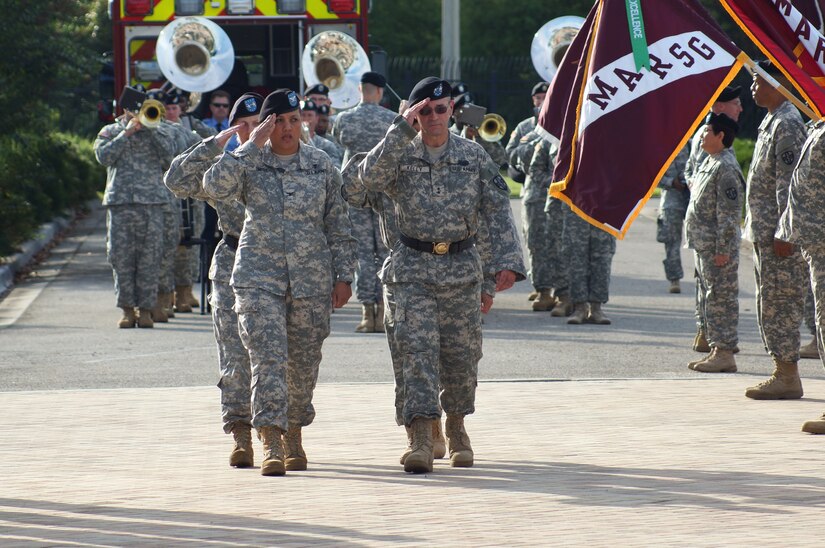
30, 248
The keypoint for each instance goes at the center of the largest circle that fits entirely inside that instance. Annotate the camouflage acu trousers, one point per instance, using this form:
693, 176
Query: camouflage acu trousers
233, 359
371, 254
283, 337
539, 246
133, 248
437, 330
719, 286
781, 284
590, 255
187, 258
810, 305
669, 232
169, 246
815, 256
558, 260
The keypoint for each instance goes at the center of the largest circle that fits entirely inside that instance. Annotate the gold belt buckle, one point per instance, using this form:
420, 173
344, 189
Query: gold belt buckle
441, 248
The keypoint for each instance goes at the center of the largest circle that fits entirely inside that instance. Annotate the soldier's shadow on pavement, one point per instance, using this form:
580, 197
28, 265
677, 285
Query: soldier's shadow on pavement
54, 523
591, 485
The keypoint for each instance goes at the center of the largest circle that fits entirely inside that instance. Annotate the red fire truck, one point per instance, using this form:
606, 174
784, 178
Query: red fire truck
268, 36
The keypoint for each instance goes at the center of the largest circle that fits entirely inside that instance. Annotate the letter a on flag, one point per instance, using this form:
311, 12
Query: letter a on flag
789, 32
619, 128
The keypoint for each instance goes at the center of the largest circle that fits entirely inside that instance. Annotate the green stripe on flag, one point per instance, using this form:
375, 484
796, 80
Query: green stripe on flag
638, 40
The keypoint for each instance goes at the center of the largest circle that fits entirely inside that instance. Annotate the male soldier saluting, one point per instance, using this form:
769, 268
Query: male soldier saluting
453, 217
780, 270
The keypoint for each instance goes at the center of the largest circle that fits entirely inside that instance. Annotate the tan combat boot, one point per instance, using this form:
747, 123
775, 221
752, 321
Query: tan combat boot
579, 314
169, 304
809, 351
533, 296
596, 315
420, 459
242, 454
128, 320
700, 342
273, 464
295, 459
145, 318
675, 286
367, 324
159, 312
193, 301
379, 317
563, 307
784, 384
439, 445
692, 364
544, 302
461, 454
815, 427
181, 300
719, 361
408, 450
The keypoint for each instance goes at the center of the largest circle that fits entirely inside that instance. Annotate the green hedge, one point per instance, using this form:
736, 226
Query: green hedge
42, 176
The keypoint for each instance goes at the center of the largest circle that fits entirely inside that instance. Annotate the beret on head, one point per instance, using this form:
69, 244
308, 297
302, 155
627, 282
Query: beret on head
459, 89
373, 78
318, 89
248, 104
323, 110
724, 121
541, 87
430, 87
769, 67
309, 105
279, 101
157, 94
463, 99
729, 94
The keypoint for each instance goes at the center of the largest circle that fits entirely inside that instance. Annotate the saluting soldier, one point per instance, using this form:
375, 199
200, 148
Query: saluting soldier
358, 130
294, 262
135, 158
457, 245
712, 230
781, 272
184, 178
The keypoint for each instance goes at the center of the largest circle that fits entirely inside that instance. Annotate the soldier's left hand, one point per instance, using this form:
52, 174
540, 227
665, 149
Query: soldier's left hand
505, 280
341, 293
721, 259
486, 303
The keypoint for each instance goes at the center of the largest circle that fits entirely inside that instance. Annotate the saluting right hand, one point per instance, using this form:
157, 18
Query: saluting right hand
260, 134
410, 114
223, 137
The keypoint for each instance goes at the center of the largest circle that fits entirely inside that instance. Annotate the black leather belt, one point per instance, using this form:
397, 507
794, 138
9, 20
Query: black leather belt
231, 241
437, 248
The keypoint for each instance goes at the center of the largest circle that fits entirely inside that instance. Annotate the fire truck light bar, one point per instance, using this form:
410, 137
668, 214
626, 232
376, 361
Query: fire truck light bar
240, 7
139, 7
291, 7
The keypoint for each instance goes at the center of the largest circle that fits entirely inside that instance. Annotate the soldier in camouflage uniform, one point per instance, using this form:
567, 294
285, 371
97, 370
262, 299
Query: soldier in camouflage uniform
672, 209
184, 179
809, 350
457, 245
294, 262
729, 104
493, 148
358, 130
135, 158
712, 230
309, 115
803, 225
780, 270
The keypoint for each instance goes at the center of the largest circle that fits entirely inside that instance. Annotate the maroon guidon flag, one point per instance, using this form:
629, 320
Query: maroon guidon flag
789, 33
645, 77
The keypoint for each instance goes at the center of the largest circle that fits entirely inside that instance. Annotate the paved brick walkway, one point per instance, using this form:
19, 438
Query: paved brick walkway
587, 463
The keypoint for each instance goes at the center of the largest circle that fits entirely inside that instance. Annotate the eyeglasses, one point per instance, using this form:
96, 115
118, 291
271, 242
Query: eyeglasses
220, 105
439, 109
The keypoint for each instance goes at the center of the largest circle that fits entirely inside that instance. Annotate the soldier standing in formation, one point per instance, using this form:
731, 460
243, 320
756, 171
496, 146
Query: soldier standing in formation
780, 271
293, 265
184, 179
135, 158
309, 116
672, 208
712, 230
457, 245
358, 130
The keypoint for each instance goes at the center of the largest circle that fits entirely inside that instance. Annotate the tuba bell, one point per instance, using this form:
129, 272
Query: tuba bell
195, 54
151, 113
492, 128
550, 43
336, 60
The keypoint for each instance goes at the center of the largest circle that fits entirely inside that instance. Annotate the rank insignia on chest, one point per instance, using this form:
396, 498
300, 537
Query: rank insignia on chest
788, 157
731, 193
415, 169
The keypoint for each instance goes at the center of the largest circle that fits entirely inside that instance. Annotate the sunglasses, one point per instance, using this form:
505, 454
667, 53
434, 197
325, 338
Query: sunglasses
220, 105
439, 109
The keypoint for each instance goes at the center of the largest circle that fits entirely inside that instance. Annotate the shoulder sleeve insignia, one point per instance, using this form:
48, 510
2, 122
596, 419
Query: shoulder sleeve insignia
499, 181
731, 193
788, 157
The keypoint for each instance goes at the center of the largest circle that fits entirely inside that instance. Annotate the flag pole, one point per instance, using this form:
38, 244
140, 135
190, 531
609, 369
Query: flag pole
753, 67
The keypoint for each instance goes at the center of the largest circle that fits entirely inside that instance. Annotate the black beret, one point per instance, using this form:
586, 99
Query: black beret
248, 104
157, 94
279, 101
319, 89
323, 110
770, 68
541, 87
309, 105
459, 89
373, 78
724, 121
432, 87
729, 94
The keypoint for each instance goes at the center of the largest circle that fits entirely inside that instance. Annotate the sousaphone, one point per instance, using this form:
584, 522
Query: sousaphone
195, 54
550, 44
336, 60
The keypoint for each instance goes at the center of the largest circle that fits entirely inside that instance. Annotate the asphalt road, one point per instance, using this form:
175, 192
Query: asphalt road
66, 337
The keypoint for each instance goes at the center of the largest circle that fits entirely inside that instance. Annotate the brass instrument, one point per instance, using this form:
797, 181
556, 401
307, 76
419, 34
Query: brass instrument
550, 43
336, 60
195, 54
492, 128
151, 113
